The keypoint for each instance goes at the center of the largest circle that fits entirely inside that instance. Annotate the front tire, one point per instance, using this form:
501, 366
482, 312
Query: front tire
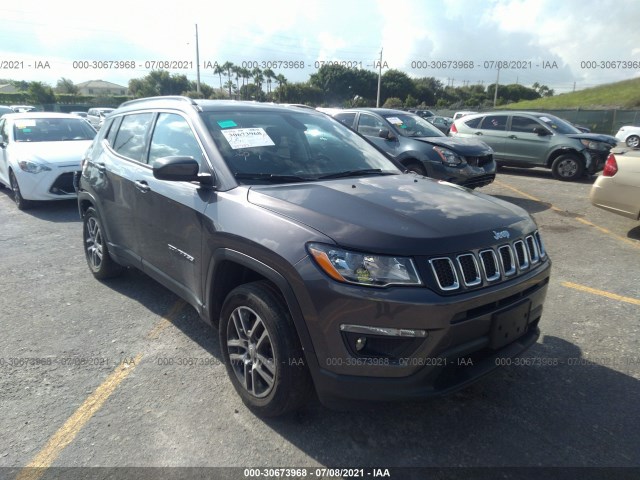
19, 200
262, 352
567, 168
100, 263
633, 141
416, 168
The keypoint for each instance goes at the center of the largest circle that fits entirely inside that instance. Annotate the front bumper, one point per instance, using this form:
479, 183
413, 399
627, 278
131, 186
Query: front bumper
471, 175
459, 346
56, 184
596, 160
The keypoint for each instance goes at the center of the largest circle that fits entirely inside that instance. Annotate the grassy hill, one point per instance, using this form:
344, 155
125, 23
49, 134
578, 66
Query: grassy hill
623, 95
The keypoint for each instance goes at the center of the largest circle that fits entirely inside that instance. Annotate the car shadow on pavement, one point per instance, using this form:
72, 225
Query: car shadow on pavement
157, 299
61, 211
555, 407
531, 206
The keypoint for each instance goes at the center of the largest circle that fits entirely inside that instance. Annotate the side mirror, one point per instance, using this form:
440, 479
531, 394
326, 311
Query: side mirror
179, 169
541, 131
386, 134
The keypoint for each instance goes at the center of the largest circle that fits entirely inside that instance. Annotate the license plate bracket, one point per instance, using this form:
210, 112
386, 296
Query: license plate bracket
509, 324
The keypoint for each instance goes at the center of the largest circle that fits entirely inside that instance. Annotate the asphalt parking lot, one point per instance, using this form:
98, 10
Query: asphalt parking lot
122, 373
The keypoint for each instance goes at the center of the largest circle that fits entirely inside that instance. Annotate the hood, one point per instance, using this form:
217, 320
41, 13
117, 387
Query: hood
58, 154
398, 214
596, 137
463, 146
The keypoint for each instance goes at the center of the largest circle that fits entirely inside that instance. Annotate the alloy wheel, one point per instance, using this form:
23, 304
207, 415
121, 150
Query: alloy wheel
251, 352
94, 243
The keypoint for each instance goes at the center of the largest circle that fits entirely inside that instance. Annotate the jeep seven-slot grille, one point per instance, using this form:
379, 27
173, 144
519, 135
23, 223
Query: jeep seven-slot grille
488, 266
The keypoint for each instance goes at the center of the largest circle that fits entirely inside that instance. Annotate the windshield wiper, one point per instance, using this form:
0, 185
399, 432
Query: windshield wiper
356, 173
272, 177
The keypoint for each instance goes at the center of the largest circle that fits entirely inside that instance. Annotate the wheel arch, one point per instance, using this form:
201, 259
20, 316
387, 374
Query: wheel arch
413, 159
229, 269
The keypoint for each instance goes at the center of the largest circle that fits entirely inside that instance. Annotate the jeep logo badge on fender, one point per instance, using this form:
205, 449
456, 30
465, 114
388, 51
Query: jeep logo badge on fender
502, 234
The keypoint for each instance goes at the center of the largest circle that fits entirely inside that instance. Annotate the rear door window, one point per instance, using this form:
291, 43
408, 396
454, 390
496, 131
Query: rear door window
473, 122
494, 122
113, 130
370, 125
131, 139
347, 118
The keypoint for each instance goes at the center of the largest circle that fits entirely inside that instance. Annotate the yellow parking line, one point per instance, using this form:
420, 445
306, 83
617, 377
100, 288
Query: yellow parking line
602, 293
65, 435
628, 241
526, 195
167, 320
519, 192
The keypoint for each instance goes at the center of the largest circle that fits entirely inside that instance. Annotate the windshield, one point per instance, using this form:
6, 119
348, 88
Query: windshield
557, 125
52, 129
410, 125
285, 146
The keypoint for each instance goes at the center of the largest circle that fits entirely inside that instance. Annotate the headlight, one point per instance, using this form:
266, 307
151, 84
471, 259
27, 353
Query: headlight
591, 145
363, 269
448, 157
32, 167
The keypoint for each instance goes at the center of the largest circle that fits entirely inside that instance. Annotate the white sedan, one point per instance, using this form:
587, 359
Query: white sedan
39, 154
629, 134
618, 188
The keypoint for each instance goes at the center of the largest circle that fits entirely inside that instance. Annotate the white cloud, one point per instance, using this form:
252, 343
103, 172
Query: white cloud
567, 32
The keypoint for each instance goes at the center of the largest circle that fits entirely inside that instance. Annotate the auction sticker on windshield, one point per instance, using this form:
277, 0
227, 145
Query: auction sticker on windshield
247, 138
395, 120
22, 124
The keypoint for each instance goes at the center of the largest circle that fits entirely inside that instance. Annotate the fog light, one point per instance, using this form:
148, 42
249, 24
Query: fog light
361, 342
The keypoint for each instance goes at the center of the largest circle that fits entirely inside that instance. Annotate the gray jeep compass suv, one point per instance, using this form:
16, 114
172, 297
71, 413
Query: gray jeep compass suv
323, 266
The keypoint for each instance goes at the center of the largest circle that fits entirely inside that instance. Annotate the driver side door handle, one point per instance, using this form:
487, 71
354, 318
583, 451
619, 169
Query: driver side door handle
142, 186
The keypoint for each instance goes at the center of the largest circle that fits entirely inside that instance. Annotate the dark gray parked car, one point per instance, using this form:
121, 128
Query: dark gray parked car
422, 148
530, 139
322, 264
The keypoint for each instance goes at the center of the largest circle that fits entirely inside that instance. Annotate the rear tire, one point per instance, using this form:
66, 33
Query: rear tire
262, 352
567, 168
633, 141
100, 263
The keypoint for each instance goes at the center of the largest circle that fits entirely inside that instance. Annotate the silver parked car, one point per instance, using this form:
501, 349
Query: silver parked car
530, 139
95, 116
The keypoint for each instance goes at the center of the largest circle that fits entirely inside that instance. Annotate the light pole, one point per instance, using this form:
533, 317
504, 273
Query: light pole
495, 94
379, 79
197, 62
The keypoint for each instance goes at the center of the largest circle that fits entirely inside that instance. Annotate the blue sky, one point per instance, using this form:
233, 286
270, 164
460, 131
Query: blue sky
525, 34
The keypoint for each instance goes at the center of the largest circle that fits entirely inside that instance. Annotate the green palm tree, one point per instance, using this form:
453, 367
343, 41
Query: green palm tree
258, 78
236, 70
269, 75
218, 70
246, 75
280, 80
227, 66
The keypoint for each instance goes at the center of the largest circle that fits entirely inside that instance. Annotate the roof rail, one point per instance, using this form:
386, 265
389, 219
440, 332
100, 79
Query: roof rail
164, 97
